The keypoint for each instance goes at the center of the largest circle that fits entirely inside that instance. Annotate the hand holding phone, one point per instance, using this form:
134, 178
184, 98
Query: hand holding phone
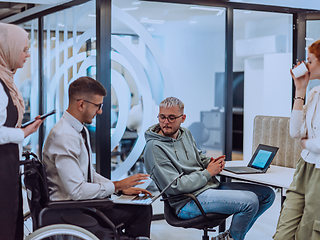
41, 117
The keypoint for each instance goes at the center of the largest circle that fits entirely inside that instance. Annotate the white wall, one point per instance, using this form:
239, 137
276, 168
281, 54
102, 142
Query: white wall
193, 60
267, 91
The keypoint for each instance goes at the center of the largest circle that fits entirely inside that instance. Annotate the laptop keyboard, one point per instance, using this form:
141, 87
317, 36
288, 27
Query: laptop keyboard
243, 169
142, 199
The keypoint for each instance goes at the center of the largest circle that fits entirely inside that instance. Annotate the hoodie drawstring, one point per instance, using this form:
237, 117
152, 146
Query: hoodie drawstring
185, 150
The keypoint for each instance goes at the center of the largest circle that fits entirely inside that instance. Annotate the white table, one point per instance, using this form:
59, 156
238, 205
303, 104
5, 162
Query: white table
278, 177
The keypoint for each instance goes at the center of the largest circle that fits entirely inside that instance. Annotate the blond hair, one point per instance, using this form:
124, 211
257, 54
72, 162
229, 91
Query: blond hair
172, 102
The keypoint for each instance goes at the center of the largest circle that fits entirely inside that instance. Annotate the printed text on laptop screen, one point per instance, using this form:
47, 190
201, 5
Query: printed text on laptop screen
261, 159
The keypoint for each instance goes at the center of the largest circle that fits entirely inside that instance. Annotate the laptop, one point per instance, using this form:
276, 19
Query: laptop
259, 162
143, 199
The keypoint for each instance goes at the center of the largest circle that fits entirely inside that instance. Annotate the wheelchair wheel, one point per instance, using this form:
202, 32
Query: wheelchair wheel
62, 232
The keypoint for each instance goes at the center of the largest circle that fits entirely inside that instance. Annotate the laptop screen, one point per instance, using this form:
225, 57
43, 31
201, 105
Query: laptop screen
261, 159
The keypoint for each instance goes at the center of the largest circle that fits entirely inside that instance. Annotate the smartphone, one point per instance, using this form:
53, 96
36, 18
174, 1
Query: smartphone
41, 117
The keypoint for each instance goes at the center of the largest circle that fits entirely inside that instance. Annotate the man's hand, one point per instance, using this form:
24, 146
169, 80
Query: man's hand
216, 159
130, 181
216, 165
136, 191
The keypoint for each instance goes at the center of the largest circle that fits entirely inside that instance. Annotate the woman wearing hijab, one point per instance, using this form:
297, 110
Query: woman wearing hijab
14, 51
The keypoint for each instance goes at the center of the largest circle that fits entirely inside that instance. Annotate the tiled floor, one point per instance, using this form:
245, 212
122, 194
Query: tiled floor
263, 229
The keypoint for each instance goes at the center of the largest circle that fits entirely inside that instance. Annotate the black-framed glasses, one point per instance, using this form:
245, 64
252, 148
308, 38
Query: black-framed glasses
171, 118
97, 105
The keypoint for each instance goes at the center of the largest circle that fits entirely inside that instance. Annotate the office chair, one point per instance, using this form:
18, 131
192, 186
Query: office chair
205, 222
60, 216
199, 133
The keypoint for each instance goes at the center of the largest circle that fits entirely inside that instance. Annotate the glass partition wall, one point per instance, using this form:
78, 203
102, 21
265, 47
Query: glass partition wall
262, 84
161, 50
69, 52
27, 80
312, 35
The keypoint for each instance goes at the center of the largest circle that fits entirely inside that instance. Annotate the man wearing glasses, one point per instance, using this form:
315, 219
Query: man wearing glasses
171, 150
67, 158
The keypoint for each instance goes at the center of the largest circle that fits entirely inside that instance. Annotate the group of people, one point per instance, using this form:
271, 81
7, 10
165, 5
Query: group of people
170, 150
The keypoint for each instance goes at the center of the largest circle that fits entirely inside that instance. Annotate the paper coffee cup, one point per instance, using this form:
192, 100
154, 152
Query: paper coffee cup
300, 70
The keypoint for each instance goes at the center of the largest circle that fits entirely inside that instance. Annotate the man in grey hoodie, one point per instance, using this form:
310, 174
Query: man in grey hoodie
171, 149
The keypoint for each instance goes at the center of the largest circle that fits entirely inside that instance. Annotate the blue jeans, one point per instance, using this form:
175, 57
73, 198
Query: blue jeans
245, 201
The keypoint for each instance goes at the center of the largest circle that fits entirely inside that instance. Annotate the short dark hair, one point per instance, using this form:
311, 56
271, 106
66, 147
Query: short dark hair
85, 86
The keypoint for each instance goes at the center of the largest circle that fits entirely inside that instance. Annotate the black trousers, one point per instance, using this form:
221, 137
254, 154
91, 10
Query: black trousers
136, 218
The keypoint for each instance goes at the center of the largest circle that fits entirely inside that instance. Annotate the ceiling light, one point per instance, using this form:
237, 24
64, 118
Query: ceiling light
129, 9
193, 22
220, 11
136, 3
309, 39
92, 15
150, 29
247, 12
60, 24
152, 21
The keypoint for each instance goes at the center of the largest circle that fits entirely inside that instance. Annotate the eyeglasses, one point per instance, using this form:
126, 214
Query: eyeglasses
97, 105
26, 50
171, 118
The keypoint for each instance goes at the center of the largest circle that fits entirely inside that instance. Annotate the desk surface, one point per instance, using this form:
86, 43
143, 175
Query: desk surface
276, 176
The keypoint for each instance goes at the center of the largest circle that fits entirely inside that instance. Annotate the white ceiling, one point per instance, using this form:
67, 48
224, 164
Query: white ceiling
43, 2
304, 4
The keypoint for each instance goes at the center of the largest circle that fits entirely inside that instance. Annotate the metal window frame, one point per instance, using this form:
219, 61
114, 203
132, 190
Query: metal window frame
103, 26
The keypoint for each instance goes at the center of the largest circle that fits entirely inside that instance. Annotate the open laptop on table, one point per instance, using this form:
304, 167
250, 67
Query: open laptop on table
143, 199
259, 162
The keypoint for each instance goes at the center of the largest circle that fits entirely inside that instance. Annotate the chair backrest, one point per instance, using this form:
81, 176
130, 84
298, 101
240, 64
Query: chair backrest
199, 133
271, 130
35, 182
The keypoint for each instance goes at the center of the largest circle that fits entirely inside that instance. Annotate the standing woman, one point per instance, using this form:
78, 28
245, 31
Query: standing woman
14, 51
300, 215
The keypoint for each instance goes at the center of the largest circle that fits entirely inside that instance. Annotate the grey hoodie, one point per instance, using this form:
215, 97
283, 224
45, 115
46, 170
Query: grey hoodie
165, 158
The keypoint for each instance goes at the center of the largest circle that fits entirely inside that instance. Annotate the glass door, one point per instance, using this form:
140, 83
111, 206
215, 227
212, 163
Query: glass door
312, 35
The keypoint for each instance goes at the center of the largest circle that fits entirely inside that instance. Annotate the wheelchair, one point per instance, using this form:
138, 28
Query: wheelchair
63, 219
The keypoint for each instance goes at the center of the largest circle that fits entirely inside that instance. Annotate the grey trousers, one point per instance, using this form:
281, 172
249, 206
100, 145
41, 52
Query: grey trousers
300, 215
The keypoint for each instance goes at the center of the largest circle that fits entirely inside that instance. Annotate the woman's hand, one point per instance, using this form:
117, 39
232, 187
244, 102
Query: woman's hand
302, 82
32, 127
135, 191
303, 142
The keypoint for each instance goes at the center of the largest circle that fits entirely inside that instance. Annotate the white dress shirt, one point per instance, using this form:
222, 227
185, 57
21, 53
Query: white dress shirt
8, 134
66, 161
306, 124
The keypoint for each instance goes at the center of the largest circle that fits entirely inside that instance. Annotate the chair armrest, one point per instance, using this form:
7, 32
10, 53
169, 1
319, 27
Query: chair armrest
81, 203
192, 197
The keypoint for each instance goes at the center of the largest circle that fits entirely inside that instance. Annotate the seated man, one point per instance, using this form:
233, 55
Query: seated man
67, 159
171, 149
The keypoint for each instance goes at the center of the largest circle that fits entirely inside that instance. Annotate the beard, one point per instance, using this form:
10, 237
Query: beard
168, 134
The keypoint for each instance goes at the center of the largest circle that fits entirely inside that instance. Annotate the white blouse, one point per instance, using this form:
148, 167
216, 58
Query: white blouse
8, 134
306, 124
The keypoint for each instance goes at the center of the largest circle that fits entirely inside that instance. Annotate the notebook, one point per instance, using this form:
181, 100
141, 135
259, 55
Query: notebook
143, 199
259, 162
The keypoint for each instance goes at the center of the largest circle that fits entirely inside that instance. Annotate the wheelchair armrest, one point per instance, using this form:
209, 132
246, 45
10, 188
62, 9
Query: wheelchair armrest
192, 197
80, 203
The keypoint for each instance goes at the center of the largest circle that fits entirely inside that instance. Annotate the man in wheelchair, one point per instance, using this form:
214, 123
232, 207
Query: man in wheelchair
68, 164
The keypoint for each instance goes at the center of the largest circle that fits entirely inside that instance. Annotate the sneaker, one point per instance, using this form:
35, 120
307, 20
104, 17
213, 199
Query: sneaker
223, 236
